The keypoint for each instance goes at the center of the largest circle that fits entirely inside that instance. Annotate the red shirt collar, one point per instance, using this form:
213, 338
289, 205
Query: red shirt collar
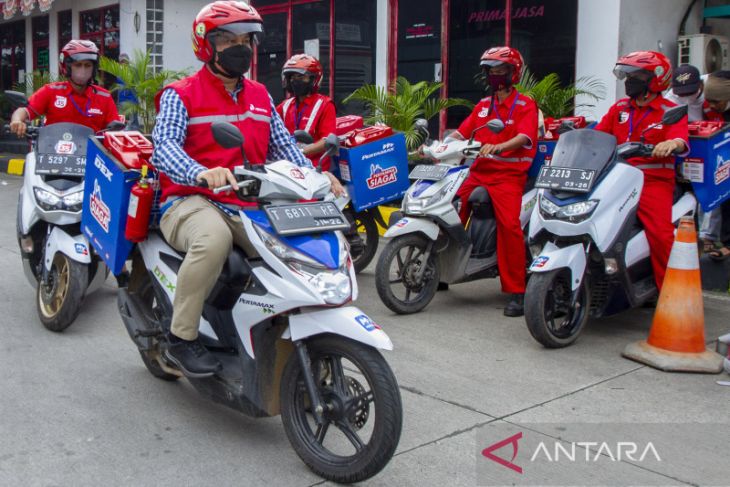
70, 90
656, 104
507, 102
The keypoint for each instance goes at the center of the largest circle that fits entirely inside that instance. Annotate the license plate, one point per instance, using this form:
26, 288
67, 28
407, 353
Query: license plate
430, 172
323, 216
566, 179
59, 165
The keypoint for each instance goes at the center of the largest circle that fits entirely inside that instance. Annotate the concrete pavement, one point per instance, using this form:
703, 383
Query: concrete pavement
79, 408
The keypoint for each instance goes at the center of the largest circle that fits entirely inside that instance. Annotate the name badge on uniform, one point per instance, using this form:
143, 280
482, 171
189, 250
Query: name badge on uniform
95, 111
60, 101
623, 117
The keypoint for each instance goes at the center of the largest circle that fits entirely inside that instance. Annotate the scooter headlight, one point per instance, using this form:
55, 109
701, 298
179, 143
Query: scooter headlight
333, 285
73, 201
47, 200
574, 213
417, 205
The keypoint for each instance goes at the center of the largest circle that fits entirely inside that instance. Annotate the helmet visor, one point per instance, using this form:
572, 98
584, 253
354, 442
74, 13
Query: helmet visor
256, 29
82, 56
622, 71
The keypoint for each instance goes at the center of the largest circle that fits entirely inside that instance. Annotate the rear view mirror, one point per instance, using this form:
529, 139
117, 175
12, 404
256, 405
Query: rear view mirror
565, 126
331, 144
303, 137
227, 135
115, 125
674, 115
16, 99
495, 125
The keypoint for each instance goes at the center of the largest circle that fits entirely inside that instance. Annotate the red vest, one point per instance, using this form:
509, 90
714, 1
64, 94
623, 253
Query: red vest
310, 119
207, 101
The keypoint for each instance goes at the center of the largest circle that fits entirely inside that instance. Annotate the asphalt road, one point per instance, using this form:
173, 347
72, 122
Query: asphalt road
79, 408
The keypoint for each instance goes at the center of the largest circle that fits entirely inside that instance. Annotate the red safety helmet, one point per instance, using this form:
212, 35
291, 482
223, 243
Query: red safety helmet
78, 50
654, 64
303, 64
495, 56
235, 17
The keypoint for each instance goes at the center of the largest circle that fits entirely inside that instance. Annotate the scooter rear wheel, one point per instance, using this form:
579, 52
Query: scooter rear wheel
366, 230
551, 319
362, 417
59, 301
397, 278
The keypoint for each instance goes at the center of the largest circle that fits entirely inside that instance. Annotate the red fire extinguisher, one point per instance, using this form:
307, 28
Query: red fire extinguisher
140, 206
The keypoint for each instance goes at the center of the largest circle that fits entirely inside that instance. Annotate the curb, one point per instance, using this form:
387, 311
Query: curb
12, 164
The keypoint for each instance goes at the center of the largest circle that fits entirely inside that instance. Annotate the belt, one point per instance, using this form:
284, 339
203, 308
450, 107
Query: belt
658, 165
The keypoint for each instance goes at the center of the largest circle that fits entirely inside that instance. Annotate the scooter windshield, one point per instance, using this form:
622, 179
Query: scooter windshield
584, 149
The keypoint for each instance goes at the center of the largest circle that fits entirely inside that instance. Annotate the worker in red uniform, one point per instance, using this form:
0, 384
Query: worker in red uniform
76, 100
503, 163
306, 109
646, 74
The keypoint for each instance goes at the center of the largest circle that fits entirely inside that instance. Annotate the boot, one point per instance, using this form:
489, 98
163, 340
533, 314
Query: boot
516, 306
191, 357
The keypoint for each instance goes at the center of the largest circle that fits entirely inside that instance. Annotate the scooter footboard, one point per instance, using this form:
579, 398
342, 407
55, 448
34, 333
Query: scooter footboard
349, 322
553, 257
74, 247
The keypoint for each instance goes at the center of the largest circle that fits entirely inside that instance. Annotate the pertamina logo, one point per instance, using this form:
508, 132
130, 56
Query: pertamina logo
380, 177
722, 169
102, 168
99, 209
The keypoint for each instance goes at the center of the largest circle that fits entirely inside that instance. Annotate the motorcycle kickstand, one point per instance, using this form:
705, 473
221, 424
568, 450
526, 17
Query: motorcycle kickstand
317, 407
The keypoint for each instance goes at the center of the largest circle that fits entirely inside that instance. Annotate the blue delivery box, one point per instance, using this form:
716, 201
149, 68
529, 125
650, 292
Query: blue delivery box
707, 166
107, 186
375, 172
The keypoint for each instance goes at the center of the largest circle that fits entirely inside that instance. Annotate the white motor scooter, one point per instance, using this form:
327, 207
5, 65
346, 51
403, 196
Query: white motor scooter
428, 242
591, 255
280, 323
57, 258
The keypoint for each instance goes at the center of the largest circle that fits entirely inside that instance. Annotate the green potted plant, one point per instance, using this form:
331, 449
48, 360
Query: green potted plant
558, 101
403, 104
140, 78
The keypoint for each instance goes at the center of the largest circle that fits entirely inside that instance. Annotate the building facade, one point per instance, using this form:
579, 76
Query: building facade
368, 41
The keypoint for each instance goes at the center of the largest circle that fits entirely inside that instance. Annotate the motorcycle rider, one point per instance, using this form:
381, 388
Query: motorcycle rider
76, 100
307, 109
503, 163
195, 220
646, 74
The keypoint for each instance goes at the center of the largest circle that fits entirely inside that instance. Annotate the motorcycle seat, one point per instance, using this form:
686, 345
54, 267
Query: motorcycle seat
479, 195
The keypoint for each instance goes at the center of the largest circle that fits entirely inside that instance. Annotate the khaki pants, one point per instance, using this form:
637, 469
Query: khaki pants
206, 234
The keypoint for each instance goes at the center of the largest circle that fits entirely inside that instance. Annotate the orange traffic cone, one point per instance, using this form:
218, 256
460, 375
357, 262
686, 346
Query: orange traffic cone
676, 341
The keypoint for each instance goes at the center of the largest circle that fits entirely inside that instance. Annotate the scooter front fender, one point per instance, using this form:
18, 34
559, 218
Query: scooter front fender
349, 322
553, 257
413, 225
74, 247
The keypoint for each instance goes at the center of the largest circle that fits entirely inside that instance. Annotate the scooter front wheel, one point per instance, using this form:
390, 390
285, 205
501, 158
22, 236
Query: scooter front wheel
59, 300
363, 415
552, 318
406, 281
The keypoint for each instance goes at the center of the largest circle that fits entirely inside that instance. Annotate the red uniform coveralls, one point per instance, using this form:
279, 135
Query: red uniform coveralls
627, 121
59, 102
504, 176
316, 115
207, 101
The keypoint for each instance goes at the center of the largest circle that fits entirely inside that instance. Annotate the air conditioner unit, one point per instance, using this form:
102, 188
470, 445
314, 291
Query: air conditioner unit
706, 52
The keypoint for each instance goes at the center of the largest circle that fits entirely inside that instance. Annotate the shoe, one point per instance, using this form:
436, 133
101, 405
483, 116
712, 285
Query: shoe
516, 306
191, 357
442, 286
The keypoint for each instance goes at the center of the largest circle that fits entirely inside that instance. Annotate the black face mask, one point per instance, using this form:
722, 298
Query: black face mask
235, 60
299, 87
498, 81
635, 87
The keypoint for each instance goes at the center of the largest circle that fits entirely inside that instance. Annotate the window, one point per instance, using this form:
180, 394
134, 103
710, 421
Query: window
64, 28
102, 27
12, 52
40, 43
354, 50
154, 33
